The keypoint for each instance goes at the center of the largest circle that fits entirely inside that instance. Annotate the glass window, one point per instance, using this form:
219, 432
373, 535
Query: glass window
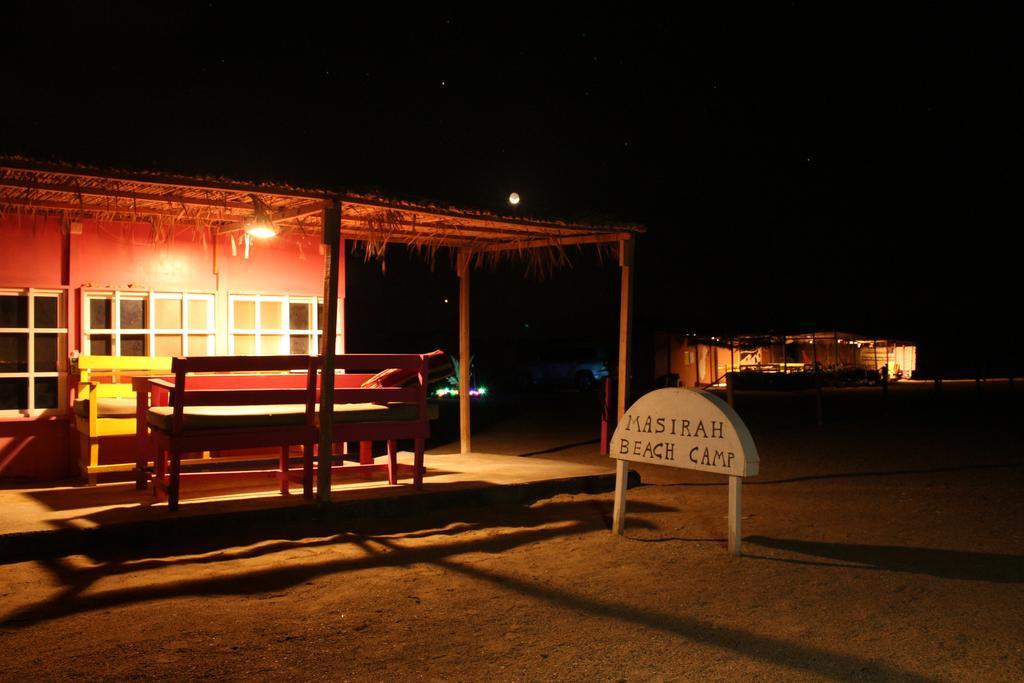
270, 315
167, 314
299, 317
199, 345
198, 314
133, 314
168, 345
149, 323
270, 344
245, 315
45, 311
14, 351
33, 346
13, 393
46, 352
47, 393
299, 345
269, 325
133, 345
100, 317
101, 345
13, 310
245, 344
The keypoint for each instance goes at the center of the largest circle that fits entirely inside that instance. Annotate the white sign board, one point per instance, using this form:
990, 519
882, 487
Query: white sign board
689, 429
685, 428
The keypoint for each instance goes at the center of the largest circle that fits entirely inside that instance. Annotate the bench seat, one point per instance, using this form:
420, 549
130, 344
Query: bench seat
279, 415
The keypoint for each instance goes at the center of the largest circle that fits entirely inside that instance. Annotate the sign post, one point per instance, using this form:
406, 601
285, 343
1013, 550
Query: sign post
688, 429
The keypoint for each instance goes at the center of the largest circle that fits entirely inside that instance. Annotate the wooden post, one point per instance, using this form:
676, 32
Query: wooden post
621, 483
729, 396
332, 238
817, 375
606, 413
735, 505
465, 442
626, 247
625, 322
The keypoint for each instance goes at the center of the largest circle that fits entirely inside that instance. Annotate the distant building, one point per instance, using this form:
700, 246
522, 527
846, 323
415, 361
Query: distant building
695, 361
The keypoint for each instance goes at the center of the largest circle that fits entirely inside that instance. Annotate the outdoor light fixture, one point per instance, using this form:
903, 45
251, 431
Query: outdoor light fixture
261, 230
259, 223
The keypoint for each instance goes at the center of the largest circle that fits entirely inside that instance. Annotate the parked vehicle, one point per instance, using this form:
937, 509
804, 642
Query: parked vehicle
576, 367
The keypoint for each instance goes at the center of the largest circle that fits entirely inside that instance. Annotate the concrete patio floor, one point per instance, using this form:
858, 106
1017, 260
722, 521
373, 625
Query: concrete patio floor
32, 513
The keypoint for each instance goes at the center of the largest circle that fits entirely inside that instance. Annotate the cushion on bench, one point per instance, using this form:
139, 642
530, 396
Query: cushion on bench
109, 407
223, 417
439, 367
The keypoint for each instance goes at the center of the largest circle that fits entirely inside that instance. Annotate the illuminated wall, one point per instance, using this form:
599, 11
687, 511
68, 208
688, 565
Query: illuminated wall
137, 260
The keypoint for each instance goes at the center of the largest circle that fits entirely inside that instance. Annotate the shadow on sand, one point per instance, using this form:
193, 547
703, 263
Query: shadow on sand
848, 475
944, 564
381, 544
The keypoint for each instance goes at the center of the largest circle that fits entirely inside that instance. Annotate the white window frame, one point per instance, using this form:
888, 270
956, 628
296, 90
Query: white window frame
62, 352
285, 332
149, 331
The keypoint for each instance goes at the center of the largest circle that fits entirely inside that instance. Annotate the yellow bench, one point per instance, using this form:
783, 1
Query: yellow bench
105, 404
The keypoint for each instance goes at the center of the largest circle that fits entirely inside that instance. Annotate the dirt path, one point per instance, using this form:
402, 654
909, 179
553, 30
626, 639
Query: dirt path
876, 549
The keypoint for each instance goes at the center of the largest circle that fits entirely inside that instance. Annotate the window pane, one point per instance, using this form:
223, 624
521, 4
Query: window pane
14, 352
270, 344
47, 389
13, 310
100, 345
270, 315
100, 317
198, 314
245, 345
245, 315
167, 313
13, 393
46, 311
167, 345
133, 345
133, 315
198, 345
299, 317
46, 353
299, 344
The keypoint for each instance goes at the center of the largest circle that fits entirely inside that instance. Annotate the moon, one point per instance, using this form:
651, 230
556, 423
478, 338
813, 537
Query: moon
513, 198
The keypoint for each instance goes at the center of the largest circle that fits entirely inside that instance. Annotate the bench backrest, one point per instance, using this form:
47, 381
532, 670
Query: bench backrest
112, 369
89, 366
303, 387
195, 390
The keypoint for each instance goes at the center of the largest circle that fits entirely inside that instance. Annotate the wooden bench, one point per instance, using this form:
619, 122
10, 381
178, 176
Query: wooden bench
196, 411
105, 405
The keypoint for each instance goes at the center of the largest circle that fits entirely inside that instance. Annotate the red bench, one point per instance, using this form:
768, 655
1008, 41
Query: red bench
196, 411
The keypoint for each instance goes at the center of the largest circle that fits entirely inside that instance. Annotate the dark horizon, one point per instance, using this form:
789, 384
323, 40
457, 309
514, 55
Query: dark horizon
796, 167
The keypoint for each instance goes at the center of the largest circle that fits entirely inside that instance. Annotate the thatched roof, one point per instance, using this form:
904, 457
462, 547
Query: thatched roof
221, 205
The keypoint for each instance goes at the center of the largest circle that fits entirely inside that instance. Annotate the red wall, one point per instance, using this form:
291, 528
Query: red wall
32, 252
126, 256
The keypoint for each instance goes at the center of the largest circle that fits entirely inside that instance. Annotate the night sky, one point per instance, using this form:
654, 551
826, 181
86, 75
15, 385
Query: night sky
796, 165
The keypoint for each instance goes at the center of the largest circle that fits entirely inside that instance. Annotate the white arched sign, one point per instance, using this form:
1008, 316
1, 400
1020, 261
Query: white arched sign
688, 429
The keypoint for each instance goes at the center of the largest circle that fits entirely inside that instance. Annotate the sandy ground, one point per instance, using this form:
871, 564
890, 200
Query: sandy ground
887, 545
